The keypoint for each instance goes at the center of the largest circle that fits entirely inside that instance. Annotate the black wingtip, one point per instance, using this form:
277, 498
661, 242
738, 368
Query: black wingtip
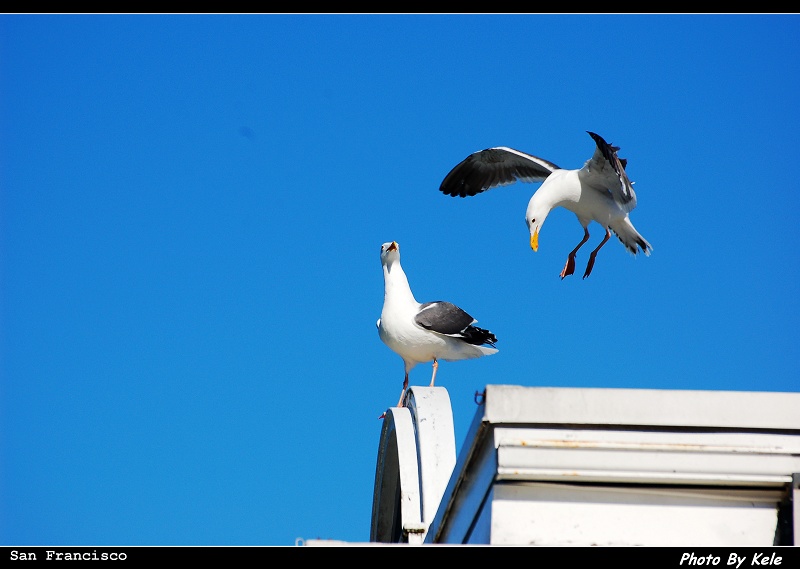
601, 142
455, 190
479, 336
609, 151
460, 181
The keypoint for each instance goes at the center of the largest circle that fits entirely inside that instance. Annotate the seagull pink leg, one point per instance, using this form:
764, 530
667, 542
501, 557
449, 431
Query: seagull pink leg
569, 268
435, 367
402, 393
590, 265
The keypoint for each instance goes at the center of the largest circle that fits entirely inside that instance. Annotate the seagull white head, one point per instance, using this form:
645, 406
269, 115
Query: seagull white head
535, 215
390, 251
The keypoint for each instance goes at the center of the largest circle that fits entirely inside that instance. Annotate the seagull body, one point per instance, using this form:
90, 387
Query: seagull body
600, 191
430, 331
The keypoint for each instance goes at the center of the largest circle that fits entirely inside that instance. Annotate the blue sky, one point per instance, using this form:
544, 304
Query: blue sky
191, 214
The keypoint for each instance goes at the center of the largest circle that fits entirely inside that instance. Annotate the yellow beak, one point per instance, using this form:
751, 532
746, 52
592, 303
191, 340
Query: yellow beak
535, 240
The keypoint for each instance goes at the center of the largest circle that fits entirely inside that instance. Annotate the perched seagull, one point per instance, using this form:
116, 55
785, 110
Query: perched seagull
426, 332
600, 191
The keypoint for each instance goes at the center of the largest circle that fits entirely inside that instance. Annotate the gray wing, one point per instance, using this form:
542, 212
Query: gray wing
450, 320
499, 166
443, 318
605, 172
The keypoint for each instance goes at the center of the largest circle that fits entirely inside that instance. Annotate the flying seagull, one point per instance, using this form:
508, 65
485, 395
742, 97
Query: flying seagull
426, 332
600, 191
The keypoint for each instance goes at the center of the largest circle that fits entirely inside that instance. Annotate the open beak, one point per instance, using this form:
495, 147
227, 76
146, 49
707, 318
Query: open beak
535, 240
